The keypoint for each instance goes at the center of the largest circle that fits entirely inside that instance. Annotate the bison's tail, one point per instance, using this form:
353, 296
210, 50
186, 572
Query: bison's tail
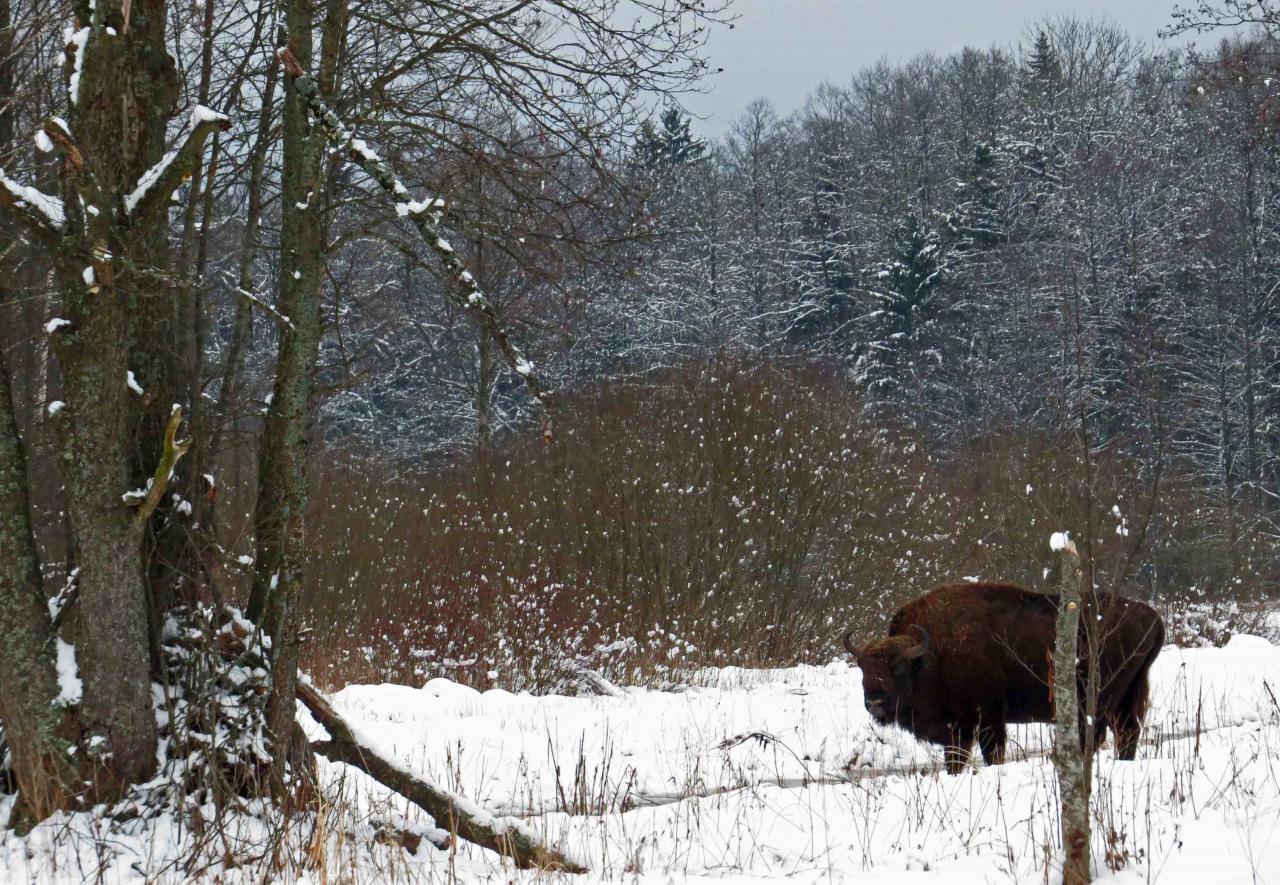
1139, 695
1133, 706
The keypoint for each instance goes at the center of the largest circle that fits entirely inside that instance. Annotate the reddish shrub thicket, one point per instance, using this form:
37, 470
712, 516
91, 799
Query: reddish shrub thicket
720, 513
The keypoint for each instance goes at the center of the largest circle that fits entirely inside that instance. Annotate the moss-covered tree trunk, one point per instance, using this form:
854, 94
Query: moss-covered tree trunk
105, 242
33, 720
113, 646
121, 83
29, 708
162, 336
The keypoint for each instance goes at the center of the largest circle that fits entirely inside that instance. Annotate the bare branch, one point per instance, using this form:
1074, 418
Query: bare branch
254, 301
460, 286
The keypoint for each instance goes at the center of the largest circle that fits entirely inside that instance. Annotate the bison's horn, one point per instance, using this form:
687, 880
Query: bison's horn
922, 648
924, 636
847, 642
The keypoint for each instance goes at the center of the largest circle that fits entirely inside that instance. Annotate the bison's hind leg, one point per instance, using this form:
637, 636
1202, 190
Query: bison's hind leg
959, 745
991, 739
1098, 737
1126, 722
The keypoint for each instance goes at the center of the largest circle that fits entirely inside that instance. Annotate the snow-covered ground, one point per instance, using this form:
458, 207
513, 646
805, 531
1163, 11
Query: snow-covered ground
771, 774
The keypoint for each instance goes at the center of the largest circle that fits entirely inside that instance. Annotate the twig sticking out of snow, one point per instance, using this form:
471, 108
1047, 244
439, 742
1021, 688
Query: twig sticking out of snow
461, 287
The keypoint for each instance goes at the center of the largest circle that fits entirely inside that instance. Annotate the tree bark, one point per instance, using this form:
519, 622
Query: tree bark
284, 469
114, 647
106, 242
33, 721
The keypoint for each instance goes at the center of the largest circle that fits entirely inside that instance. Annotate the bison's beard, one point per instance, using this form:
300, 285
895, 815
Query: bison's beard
889, 713
899, 714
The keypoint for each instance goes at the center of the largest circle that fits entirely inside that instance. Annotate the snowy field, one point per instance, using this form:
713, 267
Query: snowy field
755, 775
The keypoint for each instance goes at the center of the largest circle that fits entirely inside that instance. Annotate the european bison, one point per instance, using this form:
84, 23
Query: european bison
967, 659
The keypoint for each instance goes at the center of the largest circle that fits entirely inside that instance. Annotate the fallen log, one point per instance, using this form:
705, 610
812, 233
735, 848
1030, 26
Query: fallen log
508, 836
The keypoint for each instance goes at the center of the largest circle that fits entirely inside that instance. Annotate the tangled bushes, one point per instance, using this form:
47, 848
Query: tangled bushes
721, 513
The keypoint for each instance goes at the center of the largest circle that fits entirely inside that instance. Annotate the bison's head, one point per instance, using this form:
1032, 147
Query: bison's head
889, 668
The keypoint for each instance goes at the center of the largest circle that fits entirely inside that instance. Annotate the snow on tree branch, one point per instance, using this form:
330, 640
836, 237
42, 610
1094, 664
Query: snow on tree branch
254, 301
38, 211
160, 181
461, 287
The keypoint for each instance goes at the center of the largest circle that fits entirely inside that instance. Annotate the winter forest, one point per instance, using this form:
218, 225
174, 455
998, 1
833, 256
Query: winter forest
428, 453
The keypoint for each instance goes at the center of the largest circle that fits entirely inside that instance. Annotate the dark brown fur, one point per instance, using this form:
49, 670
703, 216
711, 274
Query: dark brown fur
966, 660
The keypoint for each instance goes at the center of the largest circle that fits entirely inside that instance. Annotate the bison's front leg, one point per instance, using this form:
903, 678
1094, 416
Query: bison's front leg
960, 742
991, 739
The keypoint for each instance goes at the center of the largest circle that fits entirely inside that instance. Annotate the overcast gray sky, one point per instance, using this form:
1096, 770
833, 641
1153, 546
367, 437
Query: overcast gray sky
782, 49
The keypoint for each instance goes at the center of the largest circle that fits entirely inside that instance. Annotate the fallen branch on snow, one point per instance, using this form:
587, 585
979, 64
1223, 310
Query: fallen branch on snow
507, 836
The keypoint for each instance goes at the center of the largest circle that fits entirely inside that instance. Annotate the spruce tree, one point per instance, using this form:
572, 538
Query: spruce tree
670, 144
905, 333
978, 223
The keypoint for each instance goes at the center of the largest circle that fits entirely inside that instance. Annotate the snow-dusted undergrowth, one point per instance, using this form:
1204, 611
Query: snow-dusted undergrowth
743, 775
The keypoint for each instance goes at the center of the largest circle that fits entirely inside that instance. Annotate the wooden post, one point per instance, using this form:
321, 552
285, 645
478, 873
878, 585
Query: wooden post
1068, 749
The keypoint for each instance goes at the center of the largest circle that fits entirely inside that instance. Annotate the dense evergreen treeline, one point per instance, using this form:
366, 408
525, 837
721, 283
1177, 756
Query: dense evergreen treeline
994, 240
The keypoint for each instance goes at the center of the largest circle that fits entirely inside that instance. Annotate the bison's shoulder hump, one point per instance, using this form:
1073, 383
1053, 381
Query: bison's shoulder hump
967, 600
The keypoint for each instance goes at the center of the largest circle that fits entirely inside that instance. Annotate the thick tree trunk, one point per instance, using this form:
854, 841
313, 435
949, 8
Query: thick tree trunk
114, 649
160, 335
1068, 752
105, 240
120, 98
33, 720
